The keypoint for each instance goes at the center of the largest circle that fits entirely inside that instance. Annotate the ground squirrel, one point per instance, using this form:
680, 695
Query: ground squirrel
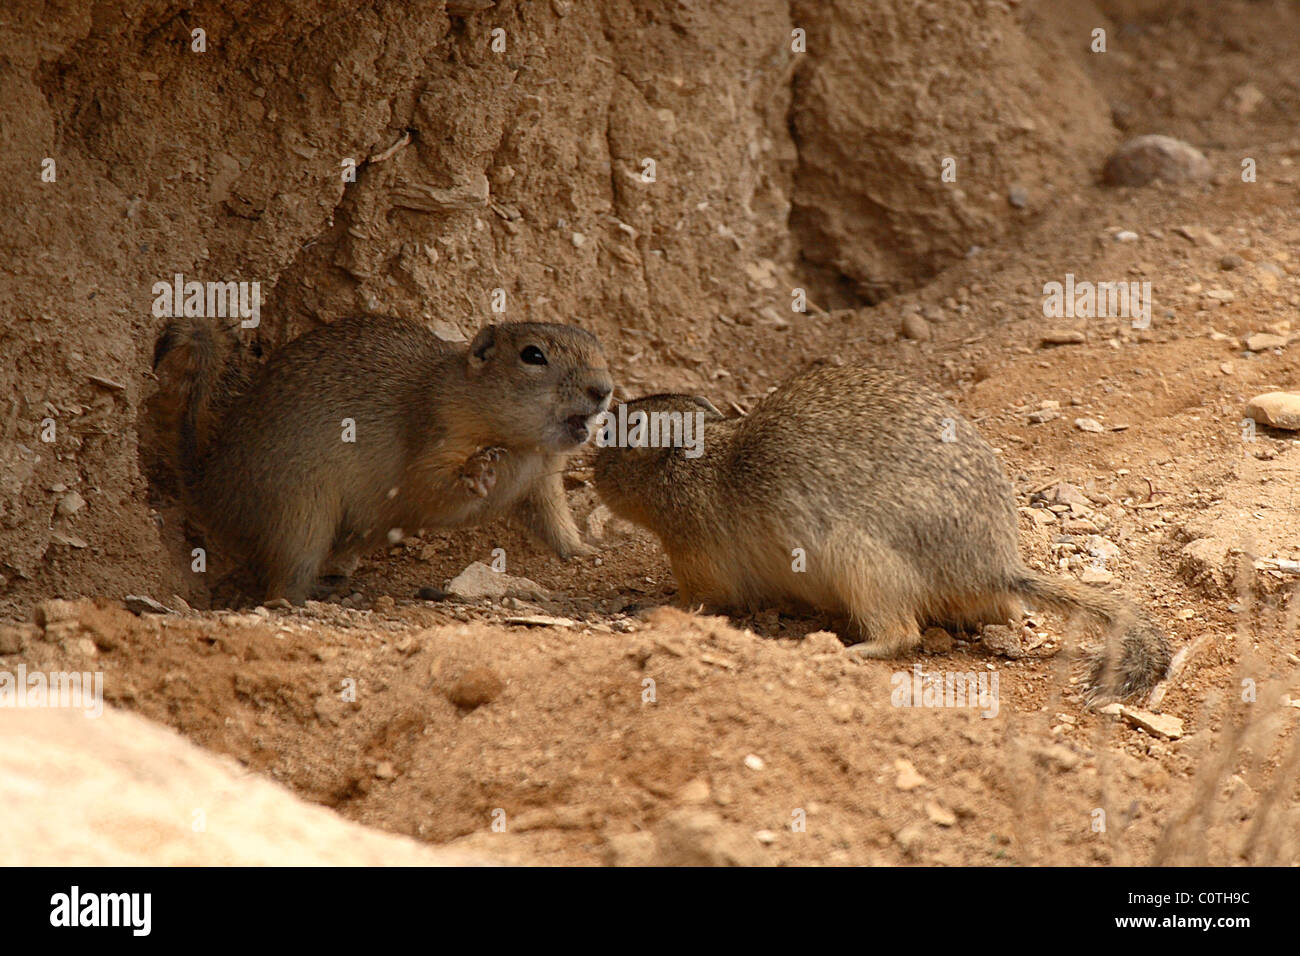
373, 424
899, 509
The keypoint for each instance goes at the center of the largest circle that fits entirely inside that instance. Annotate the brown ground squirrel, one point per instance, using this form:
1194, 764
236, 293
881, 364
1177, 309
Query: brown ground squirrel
372, 424
901, 509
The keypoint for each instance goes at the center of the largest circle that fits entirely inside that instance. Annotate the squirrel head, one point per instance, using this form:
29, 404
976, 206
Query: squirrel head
647, 449
556, 377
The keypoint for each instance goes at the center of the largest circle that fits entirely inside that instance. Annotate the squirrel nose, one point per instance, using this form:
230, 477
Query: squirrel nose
599, 393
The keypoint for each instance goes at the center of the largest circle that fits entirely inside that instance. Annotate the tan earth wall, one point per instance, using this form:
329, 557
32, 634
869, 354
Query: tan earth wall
524, 172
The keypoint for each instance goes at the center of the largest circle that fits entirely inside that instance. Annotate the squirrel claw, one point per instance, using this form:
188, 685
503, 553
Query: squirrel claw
477, 475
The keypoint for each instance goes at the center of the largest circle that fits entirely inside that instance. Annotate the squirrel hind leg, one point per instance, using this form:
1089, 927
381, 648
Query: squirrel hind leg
875, 586
972, 610
885, 636
294, 583
293, 565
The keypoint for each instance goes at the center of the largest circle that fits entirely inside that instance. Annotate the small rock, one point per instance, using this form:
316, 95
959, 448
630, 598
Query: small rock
1246, 98
754, 762
1002, 640
909, 838
1126, 235
936, 640
916, 328
1231, 261
597, 521
476, 687
542, 620
1205, 561
70, 504
939, 815
1161, 725
107, 383
56, 611
1043, 415
1018, 196
1200, 236
1067, 494
1089, 425
1062, 337
385, 771
1096, 576
908, 778
1145, 159
1079, 526
1102, 548
478, 581
765, 837
85, 647
1278, 409
1263, 341
140, 604
841, 711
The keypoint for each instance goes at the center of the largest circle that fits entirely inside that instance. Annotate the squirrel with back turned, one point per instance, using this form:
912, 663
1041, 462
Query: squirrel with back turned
900, 509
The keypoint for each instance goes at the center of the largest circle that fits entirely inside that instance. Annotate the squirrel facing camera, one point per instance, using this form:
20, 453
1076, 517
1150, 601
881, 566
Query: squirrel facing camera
373, 426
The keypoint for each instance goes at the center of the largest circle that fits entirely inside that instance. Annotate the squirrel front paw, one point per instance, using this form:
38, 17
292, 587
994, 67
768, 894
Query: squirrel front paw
478, 475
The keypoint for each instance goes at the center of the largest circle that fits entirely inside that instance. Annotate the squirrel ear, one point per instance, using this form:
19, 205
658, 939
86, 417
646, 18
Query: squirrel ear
481, 348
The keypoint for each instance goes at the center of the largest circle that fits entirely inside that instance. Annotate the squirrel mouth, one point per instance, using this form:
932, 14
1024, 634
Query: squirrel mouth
576, 428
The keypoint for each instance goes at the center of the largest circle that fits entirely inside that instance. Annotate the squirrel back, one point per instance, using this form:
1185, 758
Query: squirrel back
860, 492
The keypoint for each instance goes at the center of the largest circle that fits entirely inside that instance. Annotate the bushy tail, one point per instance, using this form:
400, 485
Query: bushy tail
199, 375
1135, 656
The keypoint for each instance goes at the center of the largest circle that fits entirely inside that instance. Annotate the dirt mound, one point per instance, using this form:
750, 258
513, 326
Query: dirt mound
121, 791
673, 739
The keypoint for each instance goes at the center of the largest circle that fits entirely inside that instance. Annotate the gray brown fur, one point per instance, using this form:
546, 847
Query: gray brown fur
446, 436
900, 528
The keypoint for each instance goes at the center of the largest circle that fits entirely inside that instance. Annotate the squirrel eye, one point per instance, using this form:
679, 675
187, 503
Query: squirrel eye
532, 355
